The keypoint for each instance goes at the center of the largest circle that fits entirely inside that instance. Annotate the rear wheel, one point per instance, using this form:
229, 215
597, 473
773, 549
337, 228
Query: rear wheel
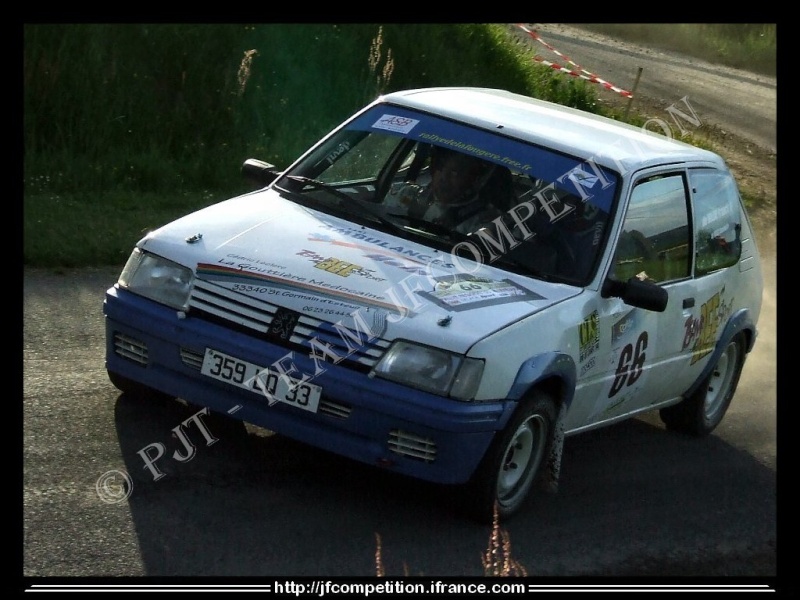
700, 413
515, 461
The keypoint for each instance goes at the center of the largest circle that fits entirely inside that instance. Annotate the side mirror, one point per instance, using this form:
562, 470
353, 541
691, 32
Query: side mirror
259, 172
638, 293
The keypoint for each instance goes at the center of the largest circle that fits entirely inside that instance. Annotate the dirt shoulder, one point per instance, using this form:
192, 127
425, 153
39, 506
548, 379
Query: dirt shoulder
755, 169
737, 108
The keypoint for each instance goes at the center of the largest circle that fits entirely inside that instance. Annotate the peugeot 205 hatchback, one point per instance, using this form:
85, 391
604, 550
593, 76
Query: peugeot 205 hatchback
578, 272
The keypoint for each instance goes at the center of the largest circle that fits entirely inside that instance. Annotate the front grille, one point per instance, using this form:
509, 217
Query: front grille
334, 409
130, 348
412, 445
194, 360
253, 316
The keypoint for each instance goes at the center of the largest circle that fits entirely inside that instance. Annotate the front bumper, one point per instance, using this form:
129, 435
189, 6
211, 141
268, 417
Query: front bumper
366, 419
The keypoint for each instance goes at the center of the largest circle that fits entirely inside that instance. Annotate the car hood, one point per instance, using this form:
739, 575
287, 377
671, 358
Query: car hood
286, 255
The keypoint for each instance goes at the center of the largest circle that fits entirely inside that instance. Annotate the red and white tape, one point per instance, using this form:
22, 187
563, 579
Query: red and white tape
578, 71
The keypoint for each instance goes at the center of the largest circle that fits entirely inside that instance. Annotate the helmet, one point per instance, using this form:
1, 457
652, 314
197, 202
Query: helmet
457, 177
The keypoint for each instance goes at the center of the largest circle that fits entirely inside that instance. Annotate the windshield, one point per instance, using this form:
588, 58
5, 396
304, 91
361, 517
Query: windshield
477, 194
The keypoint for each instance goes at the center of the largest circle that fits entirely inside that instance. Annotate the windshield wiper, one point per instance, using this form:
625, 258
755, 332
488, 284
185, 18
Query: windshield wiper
429, 228
320, 185
362, 212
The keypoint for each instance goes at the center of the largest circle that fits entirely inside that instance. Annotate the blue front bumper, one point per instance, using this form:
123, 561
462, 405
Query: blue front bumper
367, 419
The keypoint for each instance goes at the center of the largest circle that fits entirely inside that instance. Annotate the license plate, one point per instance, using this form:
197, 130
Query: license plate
271, 384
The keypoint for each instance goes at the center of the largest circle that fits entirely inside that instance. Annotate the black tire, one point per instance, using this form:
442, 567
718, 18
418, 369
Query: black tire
136, 390
516, 460
700, 413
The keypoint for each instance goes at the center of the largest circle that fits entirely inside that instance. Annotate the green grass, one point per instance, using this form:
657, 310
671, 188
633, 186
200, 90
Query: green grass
129, 126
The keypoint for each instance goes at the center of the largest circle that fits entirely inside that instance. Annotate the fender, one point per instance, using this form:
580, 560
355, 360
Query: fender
544, 366
740, 321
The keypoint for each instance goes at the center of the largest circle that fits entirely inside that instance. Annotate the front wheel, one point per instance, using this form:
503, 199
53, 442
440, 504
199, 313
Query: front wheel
700, 413
515, 460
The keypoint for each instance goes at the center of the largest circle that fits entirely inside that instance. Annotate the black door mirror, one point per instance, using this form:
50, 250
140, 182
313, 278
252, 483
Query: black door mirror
636, 292
259, 172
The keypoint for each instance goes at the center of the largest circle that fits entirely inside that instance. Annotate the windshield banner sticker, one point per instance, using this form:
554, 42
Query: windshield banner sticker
535, 162
581, 177
465, 292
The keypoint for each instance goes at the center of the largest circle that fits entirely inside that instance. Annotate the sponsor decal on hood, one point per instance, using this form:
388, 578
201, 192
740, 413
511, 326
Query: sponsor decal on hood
285, 255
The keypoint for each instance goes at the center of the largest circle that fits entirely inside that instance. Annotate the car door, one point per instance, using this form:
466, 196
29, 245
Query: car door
654, 243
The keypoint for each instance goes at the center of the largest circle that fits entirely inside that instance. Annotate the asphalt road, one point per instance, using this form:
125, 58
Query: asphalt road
633, 498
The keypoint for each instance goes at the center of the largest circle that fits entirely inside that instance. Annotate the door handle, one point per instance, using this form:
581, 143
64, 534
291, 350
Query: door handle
688, 302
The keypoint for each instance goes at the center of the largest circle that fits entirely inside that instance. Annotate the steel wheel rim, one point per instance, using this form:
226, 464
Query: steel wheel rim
523, 455
720, 382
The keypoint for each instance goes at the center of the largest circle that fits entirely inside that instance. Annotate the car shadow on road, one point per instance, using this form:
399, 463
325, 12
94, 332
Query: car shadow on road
632, 498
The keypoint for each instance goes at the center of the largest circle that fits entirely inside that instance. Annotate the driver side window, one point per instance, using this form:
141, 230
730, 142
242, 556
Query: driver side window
655, 238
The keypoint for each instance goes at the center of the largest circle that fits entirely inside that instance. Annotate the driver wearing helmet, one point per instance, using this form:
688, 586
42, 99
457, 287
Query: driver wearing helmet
452, 199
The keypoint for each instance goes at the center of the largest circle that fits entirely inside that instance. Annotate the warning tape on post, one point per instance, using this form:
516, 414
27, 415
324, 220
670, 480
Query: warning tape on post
577, 70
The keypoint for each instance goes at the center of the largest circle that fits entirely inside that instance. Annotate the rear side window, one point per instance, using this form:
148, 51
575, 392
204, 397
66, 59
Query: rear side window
718, 218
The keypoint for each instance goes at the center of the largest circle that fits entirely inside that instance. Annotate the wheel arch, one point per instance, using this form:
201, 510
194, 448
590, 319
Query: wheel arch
554, 372
741, 322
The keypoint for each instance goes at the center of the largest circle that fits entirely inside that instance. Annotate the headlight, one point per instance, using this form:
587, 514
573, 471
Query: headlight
430, 369
157, 278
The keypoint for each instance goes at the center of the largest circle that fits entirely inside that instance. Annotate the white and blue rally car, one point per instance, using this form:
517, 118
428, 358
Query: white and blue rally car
590, 271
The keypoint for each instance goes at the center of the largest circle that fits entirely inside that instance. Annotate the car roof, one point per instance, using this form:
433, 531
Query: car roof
610, 143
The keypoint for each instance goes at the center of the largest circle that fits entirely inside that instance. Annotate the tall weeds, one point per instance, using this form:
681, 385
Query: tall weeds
380, 67
128, 126
496, 559
160, 107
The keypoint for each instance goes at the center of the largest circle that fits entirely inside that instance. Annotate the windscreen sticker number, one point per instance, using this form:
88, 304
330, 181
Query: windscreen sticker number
465, 292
